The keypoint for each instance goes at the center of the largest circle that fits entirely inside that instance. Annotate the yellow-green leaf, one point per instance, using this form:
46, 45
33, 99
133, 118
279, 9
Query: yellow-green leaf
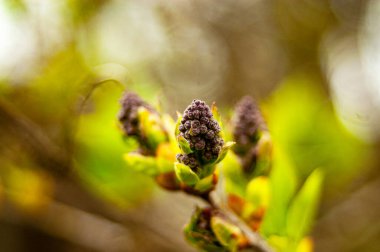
227, 233
183, 145
144, 164
304, 206
185, 174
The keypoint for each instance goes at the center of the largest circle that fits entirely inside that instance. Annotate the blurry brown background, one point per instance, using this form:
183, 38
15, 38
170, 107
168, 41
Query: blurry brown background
63, 183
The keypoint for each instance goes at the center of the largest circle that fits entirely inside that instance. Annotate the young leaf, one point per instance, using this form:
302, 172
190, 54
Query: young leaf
283, 183
303, 208
279, 243
218, 118
151, 127
258, 193
185, 174
264, 147
227, 233
144, 164
235, 181
205, 184
176, 129
210, 167
183, 144
306, 245
170, 127
200, 235
164, 165
224, 151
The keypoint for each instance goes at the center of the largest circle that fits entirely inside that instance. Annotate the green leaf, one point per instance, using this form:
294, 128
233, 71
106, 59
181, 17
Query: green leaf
304, 206
184, 145
218, 118
176, 130
264, 156
201, 237
185, 174
164, 165
151, 126
279, 243
209, 168
144, 164
205, 184
235, 181
258, 192
225, 232
224, 151
170, 126
283, 184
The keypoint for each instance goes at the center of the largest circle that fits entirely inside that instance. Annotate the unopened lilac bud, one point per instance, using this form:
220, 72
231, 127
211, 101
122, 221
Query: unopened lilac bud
216, 150
195, 124
210, 134
185, 159
247, 122
195, 131
201, 131
196, 114
200, 145
182, 128
190, 115
187, 124
128, 115
204, 120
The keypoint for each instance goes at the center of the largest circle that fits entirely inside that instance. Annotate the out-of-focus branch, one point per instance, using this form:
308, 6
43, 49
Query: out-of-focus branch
70, 193
77, 227
43, 150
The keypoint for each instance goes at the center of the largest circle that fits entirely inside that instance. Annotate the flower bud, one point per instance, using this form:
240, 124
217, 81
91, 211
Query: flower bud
247, 123
128, 115
200, 130
138, 119
249, 128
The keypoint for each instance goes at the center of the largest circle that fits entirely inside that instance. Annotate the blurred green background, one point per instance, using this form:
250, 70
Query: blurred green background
314, 66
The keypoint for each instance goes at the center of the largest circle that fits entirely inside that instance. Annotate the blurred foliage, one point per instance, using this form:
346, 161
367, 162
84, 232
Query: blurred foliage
16, 5
303, 124
28, 189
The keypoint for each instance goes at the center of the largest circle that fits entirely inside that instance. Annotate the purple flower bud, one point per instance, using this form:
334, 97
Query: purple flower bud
201, 131
128, 117
216, 150
182, 128
200, 145
247, 122
210, 134
195, 124
196, 114
204, 120
187, 124
195, 131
